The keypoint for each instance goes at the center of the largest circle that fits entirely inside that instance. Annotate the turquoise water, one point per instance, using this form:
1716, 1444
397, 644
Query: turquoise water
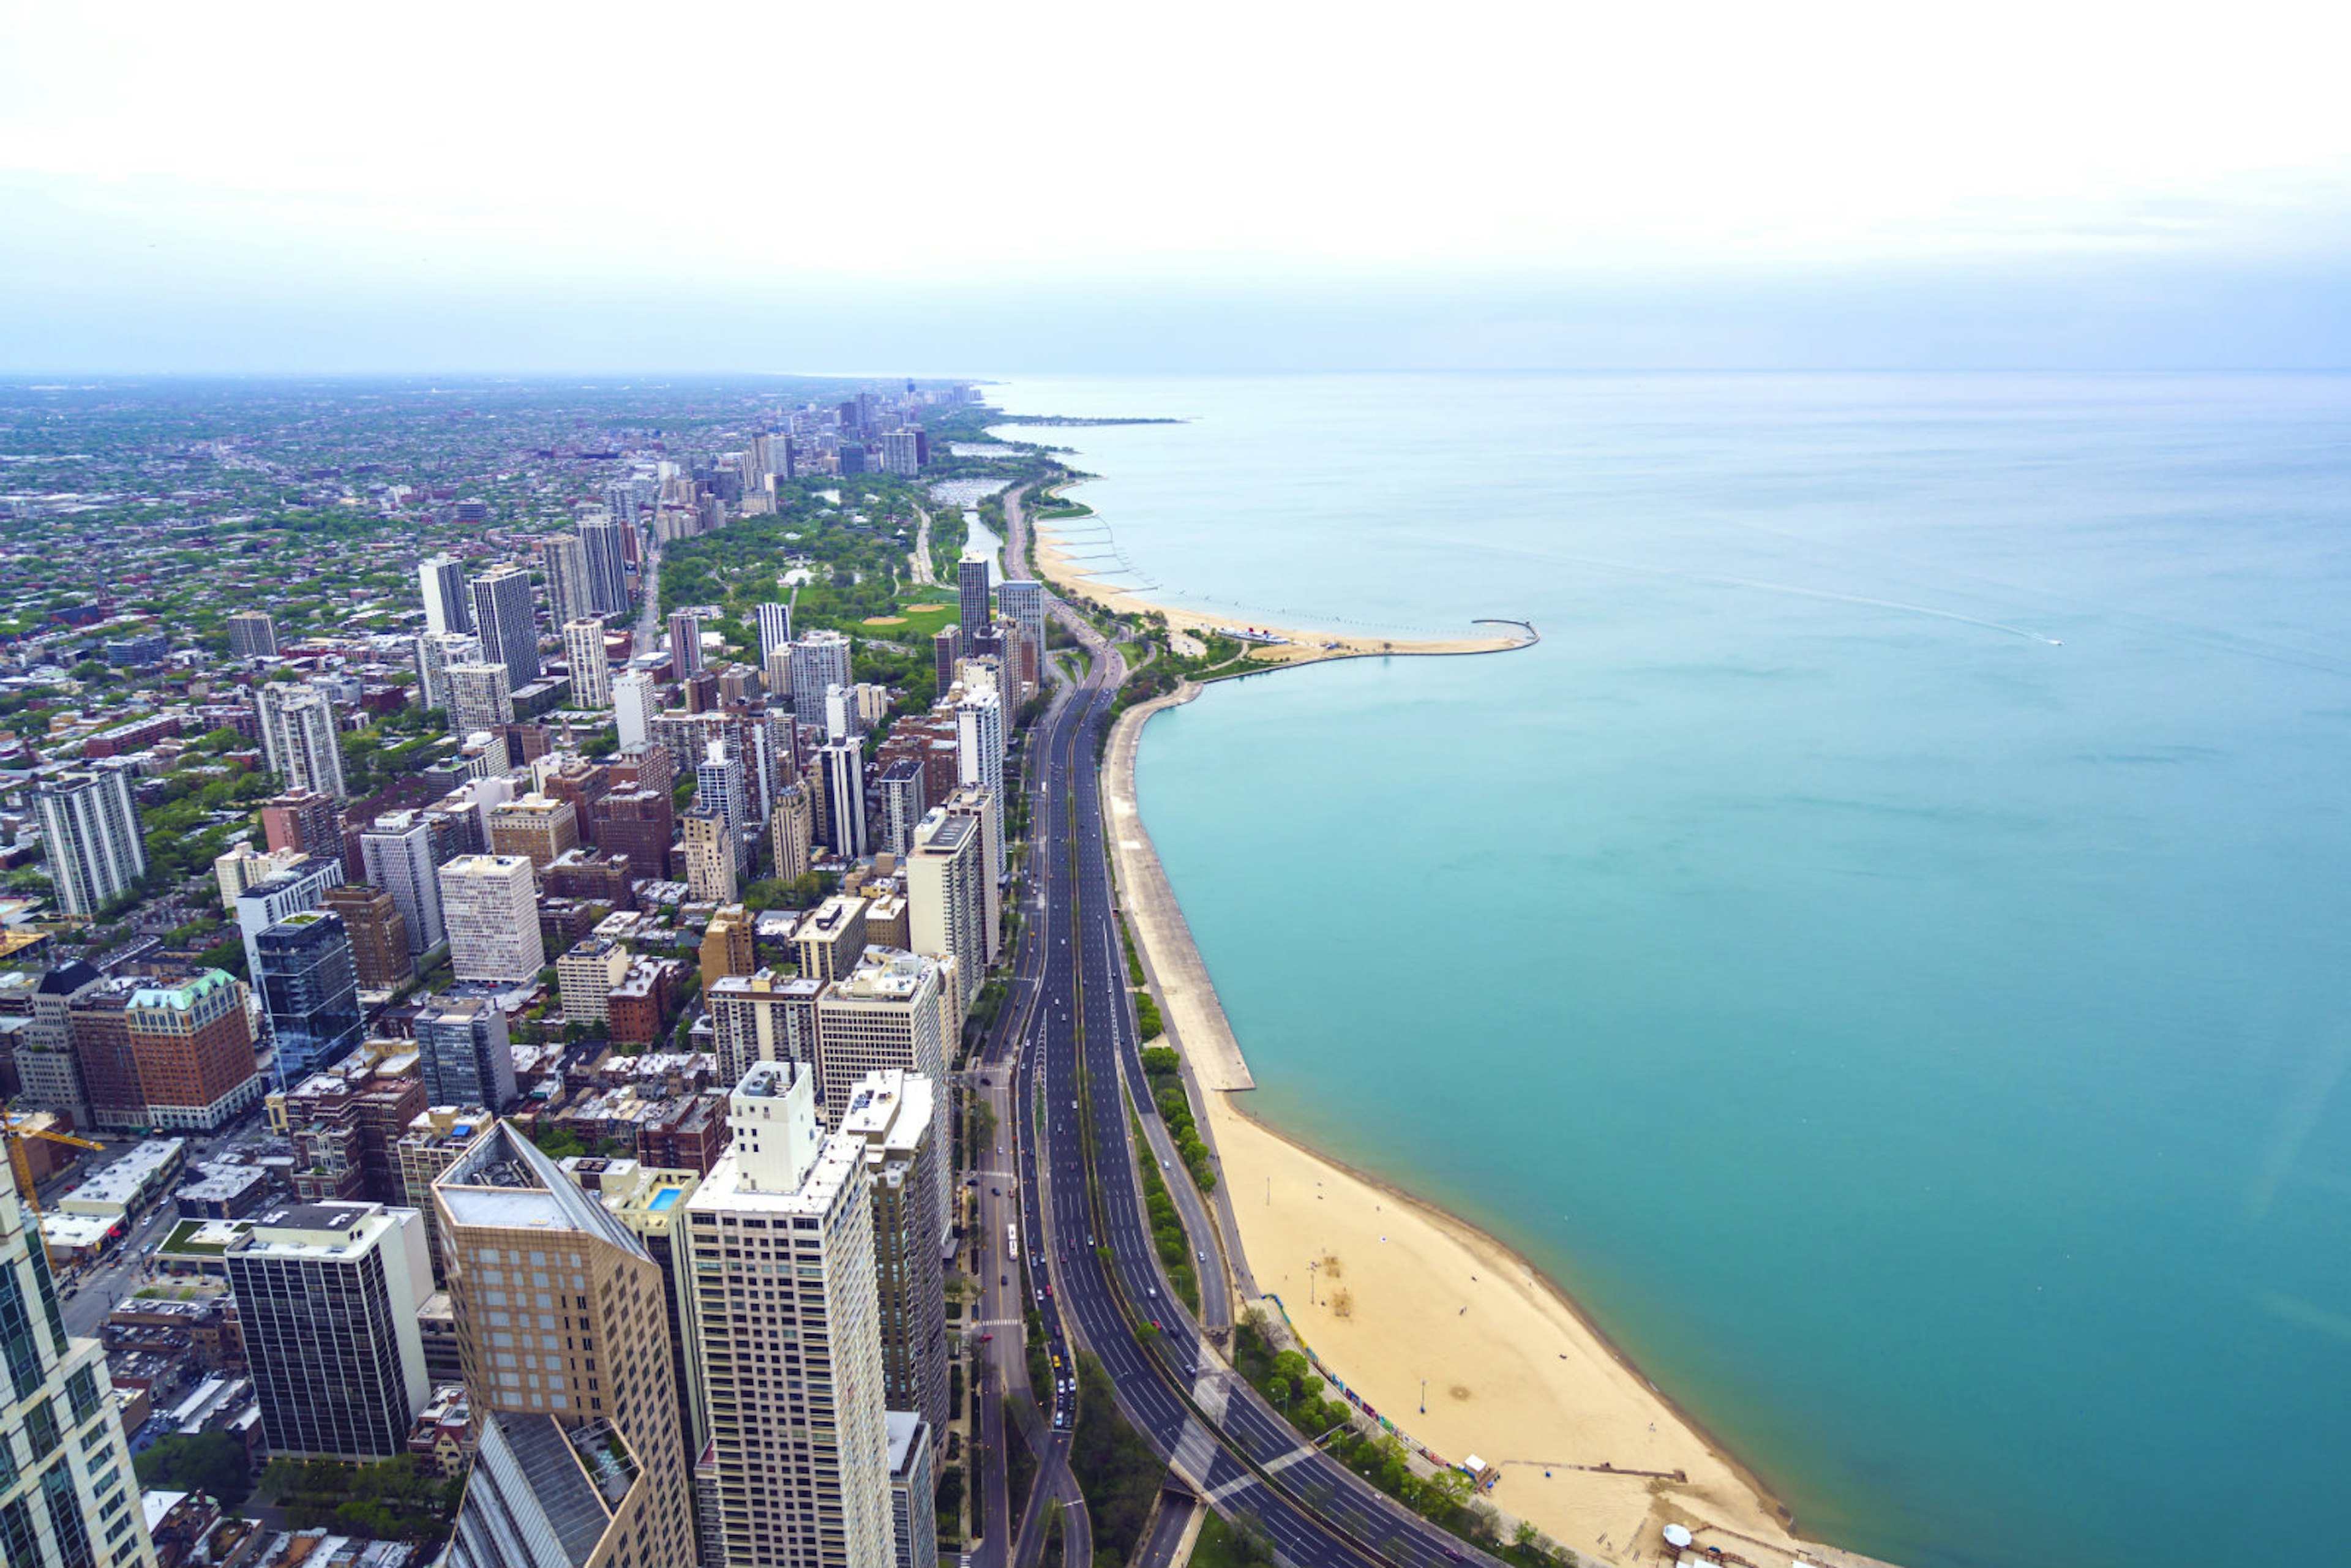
1884, 952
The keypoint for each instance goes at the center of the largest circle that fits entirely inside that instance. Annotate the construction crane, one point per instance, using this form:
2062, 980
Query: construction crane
14, 1128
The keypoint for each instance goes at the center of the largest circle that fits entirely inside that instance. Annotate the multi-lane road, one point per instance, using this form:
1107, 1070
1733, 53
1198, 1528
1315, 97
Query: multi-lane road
1069, 1043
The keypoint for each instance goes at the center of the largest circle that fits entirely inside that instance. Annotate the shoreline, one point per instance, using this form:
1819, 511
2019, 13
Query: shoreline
1541, 1392
1060, 574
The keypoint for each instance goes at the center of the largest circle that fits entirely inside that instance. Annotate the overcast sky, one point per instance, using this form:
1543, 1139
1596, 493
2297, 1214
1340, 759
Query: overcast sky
765, 186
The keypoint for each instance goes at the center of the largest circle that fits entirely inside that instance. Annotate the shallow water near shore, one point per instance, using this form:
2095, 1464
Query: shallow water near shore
1883, 952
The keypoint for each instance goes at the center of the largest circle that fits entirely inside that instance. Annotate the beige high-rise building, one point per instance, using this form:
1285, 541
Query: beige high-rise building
66, 1492
890, 1115
592, 671
763, 1017
536, 827
709, 855
883, 1014
564, 1334
490, 903
830, 940
585, 977
481, 697
946, 902
789, 1335
791, 830
727, 946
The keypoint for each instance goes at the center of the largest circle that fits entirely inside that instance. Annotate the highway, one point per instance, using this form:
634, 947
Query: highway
1083, 1219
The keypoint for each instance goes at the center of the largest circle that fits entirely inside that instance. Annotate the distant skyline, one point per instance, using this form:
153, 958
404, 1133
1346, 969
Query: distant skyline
722, 187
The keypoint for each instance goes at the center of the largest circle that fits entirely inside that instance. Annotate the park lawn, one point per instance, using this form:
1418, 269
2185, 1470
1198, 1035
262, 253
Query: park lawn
922, 623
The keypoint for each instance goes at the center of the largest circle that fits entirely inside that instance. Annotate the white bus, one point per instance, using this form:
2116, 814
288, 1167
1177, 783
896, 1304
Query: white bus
1012, 1242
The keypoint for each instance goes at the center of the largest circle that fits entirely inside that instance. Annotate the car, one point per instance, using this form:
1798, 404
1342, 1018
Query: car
992, 1192
1004, 1278
1154, 1291
986, 1338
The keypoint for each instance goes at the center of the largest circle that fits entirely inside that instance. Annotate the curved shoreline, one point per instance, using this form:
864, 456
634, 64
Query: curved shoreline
1719, 1496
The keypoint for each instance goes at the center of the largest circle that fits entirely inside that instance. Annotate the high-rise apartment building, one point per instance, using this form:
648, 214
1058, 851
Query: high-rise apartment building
721, 784
301, 885
297, 736
308, 979
592, 671
709, 851
843, 763
979, 757
763, 1017
635, 705
604, 538
504, 620
192, 1049
900, 787
491, 905
791, 832
830, 940
585, 976
462, 1053
538, 827
447, 608
651, 1201
640, 824
252, 635
775, 630
789, 1335
914, 1489
379, 935
890, 1114
96, 849
727, 946
436, 652
306, 820
569, 595
971, 595
945, 903
564, 1337
1021, 600
399, 857
685, 645
327, 1297
481, 698
885, 1013
979, 805
820, 659
67, 1494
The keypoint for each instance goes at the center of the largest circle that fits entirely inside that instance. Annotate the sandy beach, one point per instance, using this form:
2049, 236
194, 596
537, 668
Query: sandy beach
1299, 645
1403, 1293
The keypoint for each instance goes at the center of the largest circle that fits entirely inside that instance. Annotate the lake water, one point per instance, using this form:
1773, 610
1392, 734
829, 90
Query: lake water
1884, 952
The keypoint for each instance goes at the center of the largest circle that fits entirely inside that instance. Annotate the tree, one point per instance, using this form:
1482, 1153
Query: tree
210, 1462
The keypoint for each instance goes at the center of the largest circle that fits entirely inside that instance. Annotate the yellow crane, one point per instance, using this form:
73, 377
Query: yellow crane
15, 1129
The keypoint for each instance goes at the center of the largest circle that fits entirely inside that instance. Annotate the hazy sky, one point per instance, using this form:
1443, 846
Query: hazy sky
771, 186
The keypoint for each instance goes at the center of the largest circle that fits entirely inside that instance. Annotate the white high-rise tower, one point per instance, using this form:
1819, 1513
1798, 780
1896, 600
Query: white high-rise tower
787, 1334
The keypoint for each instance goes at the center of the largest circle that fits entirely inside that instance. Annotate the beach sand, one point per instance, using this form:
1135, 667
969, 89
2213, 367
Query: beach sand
1405, 1293
1299, 647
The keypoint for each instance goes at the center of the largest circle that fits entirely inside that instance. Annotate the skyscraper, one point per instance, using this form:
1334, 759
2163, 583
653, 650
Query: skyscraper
569, 595
447, 606
803, 1448
67, 1494
884, 1013
564, 1338
96, 849
709, 852
945, 902
462, 1054
843, 765
191, 1050
491, 905
1022, 601
504, 620
685, 645
775, 630
379, 935
436, 652
308, 979
820, 659
301, 885
592, 671
946, 647
297, 736
327, 1296
304, 821
719, 784
252, 635
902, 805
481, 698
979, 805
634, 706
890, 1115
397, 853
791, 832
603, 538
971, 589
979, 757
